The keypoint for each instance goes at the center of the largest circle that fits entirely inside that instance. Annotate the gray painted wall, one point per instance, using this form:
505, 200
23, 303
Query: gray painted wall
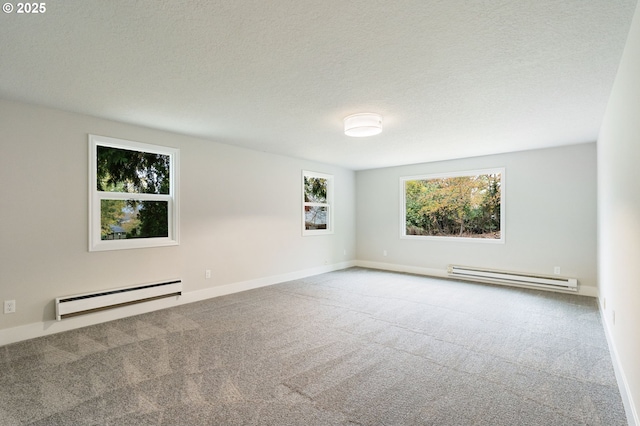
619, 217
240, 215
550, 207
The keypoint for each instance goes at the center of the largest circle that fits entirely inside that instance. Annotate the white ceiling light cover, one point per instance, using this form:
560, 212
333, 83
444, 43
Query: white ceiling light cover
363, 124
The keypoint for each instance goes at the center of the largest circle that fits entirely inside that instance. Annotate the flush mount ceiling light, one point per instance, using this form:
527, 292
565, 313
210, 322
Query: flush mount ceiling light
361, 125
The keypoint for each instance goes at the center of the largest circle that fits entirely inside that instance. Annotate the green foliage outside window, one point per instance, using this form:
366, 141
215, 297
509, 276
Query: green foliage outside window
462, 206
135, 172
317, 203
315, 192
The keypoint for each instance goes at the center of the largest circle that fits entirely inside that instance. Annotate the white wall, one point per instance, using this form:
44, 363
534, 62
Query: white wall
619, 216
240, 216
550, 205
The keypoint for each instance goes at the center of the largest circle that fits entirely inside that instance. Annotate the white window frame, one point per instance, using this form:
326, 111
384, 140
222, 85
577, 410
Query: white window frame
96, 196
328, 204
403, 205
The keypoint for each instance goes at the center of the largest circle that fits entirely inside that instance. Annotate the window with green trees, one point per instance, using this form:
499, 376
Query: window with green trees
133, 194
466, 205
317, 189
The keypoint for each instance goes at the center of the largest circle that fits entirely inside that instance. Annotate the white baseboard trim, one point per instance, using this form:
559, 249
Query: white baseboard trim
623, 385
39, 329
431, 272
589, 291
223, 290
442, 273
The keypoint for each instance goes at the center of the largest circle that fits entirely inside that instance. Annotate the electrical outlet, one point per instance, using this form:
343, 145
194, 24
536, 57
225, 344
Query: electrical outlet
384, 252
207, 273
9, 306
556, 270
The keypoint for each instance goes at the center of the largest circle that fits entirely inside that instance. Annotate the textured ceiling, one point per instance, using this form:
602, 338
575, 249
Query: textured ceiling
452, 78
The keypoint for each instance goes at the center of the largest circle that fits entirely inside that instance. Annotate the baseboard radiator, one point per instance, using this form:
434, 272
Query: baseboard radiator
513, 278
80, 304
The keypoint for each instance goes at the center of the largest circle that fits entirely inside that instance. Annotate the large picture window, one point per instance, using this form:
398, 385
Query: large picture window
133, 200
465, 205
317, 213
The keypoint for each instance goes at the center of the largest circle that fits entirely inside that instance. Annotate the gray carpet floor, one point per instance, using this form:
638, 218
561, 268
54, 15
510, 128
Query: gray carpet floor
352, 347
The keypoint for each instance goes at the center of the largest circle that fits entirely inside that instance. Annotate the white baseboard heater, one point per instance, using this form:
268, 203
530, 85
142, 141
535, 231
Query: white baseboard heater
513, 278
80, 304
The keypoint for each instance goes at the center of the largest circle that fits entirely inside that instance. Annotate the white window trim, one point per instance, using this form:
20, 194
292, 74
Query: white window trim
95, 197
403, 205
328, 204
